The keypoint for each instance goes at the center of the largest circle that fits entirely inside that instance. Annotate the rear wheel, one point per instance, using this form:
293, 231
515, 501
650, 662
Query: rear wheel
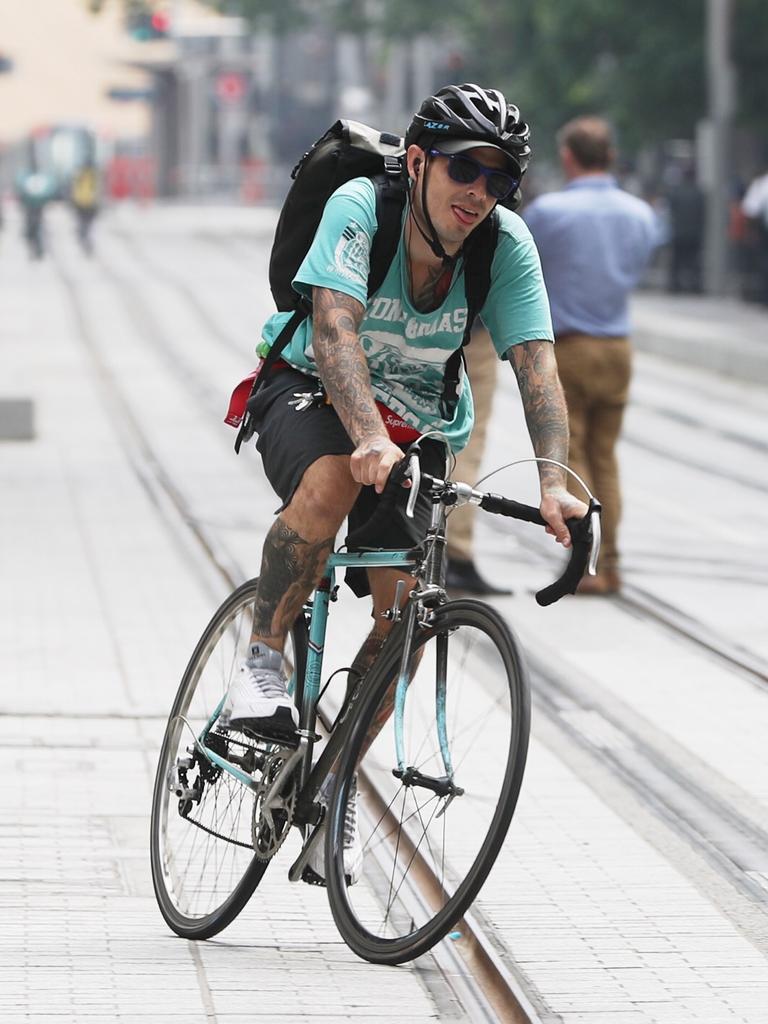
432, 826
209, 846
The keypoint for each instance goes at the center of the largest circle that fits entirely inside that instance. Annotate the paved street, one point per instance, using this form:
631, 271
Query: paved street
633, 888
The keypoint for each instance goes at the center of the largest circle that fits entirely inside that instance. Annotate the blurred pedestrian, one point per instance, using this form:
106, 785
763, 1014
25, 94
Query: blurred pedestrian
685, 205
595, 241
463, 574
34, 189
84, 197
755, 206
740, 240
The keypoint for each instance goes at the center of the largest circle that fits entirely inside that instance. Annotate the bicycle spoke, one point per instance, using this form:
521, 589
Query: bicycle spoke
429, 836
407, 867
203, 863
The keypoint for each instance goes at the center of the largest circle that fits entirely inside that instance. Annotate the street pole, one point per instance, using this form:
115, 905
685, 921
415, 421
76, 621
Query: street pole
719, 130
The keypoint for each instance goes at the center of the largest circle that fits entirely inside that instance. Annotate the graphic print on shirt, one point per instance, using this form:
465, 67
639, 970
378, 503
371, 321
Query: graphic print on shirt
351, 257
395, 364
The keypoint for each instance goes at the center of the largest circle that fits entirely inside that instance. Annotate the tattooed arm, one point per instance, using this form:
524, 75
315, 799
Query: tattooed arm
547, 418
343, 369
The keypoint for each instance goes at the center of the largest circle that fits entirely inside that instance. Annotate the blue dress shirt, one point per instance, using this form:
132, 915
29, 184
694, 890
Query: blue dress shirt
595, 241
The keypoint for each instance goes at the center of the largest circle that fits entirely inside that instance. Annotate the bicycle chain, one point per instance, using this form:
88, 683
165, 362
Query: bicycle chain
218, 835
209, 774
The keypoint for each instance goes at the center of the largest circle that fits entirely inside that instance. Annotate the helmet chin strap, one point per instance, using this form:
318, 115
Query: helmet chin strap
433, 242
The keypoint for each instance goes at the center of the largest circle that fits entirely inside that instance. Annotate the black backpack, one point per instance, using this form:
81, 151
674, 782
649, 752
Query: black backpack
353, 150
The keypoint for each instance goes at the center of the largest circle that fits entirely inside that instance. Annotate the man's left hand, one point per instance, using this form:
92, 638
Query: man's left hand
558, 505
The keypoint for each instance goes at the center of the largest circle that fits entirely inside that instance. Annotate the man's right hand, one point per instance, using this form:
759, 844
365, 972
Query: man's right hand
372, 461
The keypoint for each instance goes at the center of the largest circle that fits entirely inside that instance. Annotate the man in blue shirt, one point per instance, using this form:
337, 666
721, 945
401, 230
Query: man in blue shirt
594, 241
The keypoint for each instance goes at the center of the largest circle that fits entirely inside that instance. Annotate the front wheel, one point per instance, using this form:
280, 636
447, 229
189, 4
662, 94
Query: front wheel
205, 822
432, 822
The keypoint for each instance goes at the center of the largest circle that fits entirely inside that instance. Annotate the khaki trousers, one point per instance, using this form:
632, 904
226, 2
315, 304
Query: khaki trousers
595, 374
482, 366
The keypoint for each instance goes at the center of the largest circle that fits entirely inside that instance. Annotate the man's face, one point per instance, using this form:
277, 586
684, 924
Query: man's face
455, 208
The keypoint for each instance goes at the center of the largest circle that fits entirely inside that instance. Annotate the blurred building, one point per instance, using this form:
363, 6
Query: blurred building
233, 109
62, 63
206, 107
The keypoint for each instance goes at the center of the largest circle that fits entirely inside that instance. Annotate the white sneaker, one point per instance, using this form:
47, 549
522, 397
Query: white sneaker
314, 870
257, 702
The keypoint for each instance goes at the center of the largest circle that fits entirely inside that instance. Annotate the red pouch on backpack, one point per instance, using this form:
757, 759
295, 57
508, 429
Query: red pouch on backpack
239, 399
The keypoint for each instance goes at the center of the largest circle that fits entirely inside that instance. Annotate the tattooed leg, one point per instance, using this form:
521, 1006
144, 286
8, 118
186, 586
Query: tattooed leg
383, 587
298, 545
290, 569
367, 654
387, 705
364, 659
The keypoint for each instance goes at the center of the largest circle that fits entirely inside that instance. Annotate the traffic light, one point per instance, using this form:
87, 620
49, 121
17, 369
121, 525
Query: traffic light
146, 20
161, 23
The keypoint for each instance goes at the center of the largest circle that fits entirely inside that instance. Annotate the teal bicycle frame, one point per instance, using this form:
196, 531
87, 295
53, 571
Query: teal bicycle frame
390, 559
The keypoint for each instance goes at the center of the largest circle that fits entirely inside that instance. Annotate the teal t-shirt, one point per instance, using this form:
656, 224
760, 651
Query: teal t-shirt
407, 350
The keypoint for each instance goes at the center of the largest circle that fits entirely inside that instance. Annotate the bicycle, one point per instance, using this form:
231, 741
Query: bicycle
434, 738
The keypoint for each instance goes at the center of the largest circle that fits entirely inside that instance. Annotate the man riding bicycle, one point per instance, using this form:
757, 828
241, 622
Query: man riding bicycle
381, 362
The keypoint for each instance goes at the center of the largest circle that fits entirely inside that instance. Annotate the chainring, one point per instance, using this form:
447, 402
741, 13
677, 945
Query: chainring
269, 829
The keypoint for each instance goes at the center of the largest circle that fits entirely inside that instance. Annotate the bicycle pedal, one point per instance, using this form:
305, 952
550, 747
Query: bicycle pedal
272, 734
311, 877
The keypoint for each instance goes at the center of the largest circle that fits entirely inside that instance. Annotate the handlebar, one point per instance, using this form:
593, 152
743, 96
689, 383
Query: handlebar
585, 541
585, 533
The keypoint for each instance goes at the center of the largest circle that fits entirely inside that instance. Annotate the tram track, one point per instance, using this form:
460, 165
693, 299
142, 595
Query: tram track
658, 450
722, 825
677, 622
643, 604
732, 842
470, 965
686, 419
187, 293
144, 461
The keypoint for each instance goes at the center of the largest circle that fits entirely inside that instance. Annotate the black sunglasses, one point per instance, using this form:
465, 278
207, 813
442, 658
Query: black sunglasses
464, 170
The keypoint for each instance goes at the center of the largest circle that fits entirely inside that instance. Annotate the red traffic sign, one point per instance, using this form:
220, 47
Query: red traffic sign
230, 87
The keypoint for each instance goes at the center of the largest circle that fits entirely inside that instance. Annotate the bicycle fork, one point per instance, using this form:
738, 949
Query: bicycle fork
420, 612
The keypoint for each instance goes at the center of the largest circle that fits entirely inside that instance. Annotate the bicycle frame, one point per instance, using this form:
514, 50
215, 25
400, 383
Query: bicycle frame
394, 559
405, 686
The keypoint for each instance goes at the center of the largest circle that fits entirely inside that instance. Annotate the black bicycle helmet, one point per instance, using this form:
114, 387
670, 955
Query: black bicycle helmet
471, 112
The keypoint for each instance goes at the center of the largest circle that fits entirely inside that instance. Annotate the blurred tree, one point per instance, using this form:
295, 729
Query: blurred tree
280, 15
284, 15
750, 31
640, 65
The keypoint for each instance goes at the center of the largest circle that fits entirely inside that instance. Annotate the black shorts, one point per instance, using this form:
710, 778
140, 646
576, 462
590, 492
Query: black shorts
290, 441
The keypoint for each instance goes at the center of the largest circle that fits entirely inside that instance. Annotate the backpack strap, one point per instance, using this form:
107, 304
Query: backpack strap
391, 190
478, 257
247, 429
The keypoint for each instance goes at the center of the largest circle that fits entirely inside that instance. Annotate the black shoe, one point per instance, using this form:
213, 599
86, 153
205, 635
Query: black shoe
464, 576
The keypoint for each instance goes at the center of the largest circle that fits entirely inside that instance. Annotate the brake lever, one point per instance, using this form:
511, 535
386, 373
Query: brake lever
597, 535
413, 473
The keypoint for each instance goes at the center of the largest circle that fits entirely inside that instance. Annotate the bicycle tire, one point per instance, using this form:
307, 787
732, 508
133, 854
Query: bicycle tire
434, 902
214, 660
